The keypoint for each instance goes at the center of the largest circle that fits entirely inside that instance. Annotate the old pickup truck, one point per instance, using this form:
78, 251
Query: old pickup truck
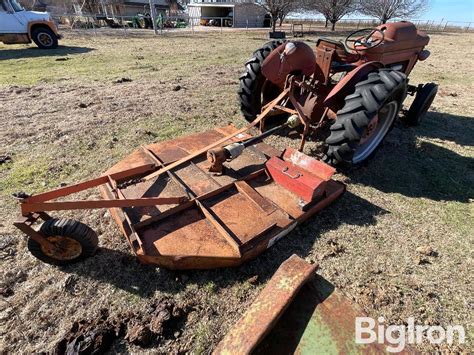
20, 26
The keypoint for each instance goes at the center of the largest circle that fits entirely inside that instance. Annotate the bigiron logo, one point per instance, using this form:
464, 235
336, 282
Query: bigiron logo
397, 336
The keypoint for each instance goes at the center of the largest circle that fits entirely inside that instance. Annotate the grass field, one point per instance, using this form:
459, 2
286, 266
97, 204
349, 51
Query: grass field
64, 118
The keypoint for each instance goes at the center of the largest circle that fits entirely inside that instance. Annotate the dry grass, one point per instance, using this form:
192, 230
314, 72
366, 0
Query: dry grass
417, 191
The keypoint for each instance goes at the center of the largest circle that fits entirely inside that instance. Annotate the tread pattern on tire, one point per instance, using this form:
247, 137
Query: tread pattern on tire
86, 236
428, 93
359, 108
252, 79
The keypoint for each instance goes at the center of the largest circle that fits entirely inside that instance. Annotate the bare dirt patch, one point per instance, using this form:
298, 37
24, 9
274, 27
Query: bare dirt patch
67, 120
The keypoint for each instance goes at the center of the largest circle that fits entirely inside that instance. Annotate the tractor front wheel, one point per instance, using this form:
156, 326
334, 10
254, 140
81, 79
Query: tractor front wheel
72, 242
366, 118
420, 105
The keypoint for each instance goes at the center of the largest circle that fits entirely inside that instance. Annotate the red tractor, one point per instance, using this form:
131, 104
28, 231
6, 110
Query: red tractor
358, 86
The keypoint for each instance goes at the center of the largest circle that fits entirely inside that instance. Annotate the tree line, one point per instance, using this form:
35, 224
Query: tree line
335, 10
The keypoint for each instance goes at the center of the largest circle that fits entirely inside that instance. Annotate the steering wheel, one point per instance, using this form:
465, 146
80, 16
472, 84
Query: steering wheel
363, 39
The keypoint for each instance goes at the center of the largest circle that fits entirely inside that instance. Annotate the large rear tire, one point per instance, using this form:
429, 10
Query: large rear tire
75, 241
366, 118
252, 82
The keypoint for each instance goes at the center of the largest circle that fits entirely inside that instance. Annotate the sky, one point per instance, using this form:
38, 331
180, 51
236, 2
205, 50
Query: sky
451, 10
446, 10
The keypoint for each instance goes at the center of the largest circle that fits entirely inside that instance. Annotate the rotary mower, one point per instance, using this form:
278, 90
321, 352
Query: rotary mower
222, 197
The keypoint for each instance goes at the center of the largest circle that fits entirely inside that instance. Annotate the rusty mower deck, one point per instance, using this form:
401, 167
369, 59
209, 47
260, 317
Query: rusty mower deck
185, 217
228, 219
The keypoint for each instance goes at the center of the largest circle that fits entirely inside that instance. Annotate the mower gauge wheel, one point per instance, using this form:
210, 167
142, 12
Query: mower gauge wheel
363, 38
71, 241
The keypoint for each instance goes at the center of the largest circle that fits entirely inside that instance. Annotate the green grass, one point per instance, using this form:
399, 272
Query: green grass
162, 58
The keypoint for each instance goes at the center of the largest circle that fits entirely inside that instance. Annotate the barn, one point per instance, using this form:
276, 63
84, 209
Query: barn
228, 13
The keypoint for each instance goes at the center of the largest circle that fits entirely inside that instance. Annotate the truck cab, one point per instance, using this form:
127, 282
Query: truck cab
20, 26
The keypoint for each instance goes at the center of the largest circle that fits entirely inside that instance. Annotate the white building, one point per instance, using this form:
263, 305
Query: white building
236, 13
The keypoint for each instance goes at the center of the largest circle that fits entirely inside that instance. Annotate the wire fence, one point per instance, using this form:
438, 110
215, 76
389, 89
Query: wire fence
129, 24
349, 24
184, 23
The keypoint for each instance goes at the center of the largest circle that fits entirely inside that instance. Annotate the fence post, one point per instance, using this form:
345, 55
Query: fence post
124, 26
222, 23
93, 27
247, 24
440, 23
358, 24
153, 15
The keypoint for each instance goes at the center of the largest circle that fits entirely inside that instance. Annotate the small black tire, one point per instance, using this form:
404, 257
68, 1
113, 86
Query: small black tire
252, 80
383, 89
78, 237
44, 37
421, 104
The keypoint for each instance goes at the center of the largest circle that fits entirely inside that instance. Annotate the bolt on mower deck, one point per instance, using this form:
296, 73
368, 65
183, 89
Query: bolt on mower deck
187, 217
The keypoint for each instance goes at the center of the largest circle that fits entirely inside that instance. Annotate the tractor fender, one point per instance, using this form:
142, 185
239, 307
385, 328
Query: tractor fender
345, 86
46, 23
289, 58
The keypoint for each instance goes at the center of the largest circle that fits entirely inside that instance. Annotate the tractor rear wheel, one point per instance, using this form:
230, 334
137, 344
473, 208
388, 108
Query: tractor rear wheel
366, 118
254, 89
73, 240
420, 105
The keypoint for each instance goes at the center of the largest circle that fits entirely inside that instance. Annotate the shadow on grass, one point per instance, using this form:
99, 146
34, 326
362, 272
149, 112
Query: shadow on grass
34, 52
408, 165
122, 269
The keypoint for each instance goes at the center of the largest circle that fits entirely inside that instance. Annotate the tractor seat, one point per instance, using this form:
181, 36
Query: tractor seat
340, 55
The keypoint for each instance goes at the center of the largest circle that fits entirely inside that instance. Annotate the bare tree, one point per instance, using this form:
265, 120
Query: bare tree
278, 9
384, 10
332, 10
282, 16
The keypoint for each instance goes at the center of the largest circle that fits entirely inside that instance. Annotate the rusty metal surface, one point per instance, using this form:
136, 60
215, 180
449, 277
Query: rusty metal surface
300, 174
188, 218
228, 221
267, 308
198, 148
320, 320
188, 235
298, 312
